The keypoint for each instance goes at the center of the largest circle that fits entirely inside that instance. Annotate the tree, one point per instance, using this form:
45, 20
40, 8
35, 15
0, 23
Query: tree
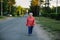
11, 3
13, 12
7, 5
20, 10
35, 2
34, 8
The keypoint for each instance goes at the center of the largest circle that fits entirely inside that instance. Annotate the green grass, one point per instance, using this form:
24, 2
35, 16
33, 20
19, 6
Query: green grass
1, 17
49, 23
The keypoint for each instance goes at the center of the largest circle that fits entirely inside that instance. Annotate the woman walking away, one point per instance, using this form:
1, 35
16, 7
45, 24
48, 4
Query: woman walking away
30, 23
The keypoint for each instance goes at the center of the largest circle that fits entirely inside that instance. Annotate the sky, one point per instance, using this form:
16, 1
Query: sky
26, 3
23, 3
53, 3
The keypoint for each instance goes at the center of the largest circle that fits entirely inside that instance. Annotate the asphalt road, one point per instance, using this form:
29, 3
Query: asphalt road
15, 29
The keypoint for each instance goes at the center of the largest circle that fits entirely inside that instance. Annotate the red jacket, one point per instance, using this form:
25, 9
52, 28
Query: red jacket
30, 21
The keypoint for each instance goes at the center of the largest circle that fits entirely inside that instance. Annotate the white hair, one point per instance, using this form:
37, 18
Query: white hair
30, 13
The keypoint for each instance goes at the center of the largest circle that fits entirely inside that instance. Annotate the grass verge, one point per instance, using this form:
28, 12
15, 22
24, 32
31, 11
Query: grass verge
1, 17
51, 25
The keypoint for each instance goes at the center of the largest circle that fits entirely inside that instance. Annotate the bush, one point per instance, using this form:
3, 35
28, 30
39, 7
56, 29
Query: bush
58, 17
51, 13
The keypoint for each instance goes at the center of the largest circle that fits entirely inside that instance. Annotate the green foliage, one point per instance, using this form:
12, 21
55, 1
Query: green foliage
13, 10
48, 12
6, 7
20, 11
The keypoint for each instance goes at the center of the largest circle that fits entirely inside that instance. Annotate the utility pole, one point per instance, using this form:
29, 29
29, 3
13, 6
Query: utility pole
56, 6
39, 3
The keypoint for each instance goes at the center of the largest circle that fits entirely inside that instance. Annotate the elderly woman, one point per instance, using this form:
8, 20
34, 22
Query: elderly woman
30, 23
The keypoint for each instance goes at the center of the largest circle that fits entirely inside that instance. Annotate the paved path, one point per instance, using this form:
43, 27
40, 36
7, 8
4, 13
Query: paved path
15, 29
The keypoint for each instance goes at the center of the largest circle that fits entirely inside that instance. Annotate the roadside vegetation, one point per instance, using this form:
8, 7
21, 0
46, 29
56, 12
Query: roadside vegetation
50, 25
1, 17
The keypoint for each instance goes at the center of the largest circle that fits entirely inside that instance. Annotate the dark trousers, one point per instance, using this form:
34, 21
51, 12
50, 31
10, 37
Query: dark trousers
30, 29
